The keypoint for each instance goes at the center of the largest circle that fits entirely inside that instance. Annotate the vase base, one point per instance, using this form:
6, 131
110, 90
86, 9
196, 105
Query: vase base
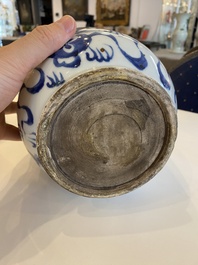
105, 133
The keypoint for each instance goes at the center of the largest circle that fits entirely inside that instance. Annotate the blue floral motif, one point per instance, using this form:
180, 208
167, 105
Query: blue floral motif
30, 117
140, 62
69, 55
55, 81
162, 77
35, 89
99, 56
32, 139
70, 50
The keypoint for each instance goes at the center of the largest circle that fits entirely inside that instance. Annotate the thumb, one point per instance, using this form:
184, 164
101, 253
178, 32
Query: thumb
36, 46
19, 57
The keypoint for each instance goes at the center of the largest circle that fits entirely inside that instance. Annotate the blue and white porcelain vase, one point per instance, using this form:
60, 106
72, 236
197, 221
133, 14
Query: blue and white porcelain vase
99, 115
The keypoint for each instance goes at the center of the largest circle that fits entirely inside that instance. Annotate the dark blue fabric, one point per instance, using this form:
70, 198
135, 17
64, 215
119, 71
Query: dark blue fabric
185, 80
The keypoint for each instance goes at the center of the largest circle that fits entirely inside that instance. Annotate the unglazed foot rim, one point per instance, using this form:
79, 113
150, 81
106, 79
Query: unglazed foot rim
106, 132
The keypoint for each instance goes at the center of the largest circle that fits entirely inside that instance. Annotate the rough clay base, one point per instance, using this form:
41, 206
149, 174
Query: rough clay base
106, 132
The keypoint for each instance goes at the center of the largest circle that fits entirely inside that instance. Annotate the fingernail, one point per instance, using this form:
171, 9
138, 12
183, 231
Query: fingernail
68, 22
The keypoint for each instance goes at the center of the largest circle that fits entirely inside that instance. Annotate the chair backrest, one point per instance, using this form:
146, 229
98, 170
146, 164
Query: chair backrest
184, 75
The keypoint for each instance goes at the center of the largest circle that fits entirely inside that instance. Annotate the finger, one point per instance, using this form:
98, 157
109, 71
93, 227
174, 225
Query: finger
12, 108
19, 57
33, 48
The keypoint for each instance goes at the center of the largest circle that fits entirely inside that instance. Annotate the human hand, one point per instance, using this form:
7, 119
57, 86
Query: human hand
20, 57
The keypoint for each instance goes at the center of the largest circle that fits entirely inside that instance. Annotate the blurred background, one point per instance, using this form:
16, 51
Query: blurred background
153, 22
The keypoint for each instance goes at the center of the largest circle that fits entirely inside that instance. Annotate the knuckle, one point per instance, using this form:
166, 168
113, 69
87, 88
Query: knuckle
44, 34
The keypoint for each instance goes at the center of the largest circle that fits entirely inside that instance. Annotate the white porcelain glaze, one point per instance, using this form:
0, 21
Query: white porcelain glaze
90, 50
181, 32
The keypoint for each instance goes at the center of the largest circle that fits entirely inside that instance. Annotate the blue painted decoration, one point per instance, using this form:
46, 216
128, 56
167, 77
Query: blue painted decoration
32, 139
162, 78
55, 80
35, 89
71, 52
100, 55
30, 117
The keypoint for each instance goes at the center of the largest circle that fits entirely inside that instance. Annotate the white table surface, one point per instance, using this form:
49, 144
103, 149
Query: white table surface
157, 224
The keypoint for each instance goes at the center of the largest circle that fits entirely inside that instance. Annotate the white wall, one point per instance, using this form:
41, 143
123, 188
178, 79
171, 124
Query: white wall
143, 12
146, 12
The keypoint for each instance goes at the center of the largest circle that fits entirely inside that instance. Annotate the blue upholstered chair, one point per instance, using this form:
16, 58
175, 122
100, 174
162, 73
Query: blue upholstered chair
184, 75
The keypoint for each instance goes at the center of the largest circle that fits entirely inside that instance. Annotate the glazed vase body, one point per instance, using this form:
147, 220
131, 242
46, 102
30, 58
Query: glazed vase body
180, 33
99, 115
